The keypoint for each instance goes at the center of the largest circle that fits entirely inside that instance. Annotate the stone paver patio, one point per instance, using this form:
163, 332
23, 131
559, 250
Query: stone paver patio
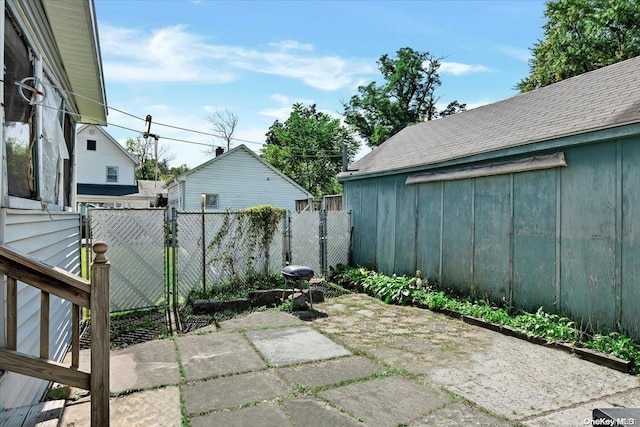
364, 364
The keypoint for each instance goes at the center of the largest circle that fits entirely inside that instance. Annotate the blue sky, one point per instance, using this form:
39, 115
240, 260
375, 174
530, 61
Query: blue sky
179, 61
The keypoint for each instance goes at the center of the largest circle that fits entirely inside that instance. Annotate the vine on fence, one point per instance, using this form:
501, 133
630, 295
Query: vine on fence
249, 230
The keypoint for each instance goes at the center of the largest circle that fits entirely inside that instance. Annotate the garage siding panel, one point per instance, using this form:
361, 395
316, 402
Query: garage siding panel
630, 289
534, 244
492, 235
457, 235
588, 245
386, 226
429, 230
405, 243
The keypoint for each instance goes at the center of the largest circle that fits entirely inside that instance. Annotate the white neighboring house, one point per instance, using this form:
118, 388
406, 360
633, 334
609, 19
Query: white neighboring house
52, 45
234, 180
106, 174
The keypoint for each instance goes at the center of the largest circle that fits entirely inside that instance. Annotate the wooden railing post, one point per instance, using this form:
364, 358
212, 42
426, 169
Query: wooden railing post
100, 337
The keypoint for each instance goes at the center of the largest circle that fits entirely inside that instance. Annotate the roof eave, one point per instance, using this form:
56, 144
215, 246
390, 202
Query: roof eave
599, 135
74, 25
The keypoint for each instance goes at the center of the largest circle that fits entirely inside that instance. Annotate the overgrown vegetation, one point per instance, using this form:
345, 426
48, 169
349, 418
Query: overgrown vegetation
248, 232
236, 287
403, 290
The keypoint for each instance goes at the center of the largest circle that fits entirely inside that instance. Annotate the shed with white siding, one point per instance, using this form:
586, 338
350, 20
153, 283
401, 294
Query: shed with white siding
234, 180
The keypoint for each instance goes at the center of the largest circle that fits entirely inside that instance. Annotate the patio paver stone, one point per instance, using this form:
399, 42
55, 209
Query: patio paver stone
263, 415
295, 345
215, 354
331, 371
387, 401
232, 391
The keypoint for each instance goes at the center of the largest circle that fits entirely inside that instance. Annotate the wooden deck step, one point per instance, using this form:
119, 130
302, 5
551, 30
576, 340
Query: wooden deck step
45, 414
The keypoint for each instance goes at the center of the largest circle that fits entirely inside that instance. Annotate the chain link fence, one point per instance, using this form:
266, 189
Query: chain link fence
225, 251
148, 264
318, 240
137, 254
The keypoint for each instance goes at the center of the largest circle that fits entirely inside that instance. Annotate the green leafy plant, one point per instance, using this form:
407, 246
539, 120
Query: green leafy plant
552, 327
248, 231
617, 345
237, 286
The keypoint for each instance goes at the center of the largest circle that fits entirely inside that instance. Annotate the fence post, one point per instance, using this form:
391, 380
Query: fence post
322, 234
204, 244
100, 336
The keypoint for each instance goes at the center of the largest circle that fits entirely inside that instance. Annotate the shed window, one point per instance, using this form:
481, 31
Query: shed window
112, 174
91, 145
211, 201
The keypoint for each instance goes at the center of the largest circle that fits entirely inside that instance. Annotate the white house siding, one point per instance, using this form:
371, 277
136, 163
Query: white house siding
175, 195
91, 165
241, 181
53, 238
127, 202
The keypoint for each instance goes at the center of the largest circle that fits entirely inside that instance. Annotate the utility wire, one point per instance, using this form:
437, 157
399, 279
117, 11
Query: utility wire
144, 119
305, 156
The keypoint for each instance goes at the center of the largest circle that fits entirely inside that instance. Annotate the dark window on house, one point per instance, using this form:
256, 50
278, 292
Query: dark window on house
20, 119
211, 201
69, 135
112, 174
91, 145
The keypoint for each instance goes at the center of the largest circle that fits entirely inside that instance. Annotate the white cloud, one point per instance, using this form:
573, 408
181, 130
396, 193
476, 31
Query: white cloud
288, 101
281, 99
292, 45
458, 69
518, 53
172, 54
281, 113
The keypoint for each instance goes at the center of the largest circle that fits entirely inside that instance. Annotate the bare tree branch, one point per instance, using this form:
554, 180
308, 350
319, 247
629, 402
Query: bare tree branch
223, 124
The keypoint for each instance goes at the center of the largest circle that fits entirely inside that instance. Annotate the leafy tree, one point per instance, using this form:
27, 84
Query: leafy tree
175, 171
581, 36
144, 151
223, 124
454, 107
307, 147
407, 96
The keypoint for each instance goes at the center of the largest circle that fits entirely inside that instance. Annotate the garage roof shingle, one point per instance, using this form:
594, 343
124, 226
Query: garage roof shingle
604, 98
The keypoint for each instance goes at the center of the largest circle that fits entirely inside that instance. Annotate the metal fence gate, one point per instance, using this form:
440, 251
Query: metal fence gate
211, 247
136, 239
204, 254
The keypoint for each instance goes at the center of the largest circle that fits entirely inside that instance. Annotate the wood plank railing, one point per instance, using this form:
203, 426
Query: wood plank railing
55, 281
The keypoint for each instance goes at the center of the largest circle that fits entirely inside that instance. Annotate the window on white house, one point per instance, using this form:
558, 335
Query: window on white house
91, 145
19, 116
112, 205
211, 201
112, 174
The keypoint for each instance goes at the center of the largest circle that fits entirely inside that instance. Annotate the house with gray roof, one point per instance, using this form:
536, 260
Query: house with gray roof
233, 180
105, 174
533, 200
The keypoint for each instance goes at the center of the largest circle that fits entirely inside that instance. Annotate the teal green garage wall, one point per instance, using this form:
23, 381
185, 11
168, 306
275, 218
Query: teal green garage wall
565, 239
